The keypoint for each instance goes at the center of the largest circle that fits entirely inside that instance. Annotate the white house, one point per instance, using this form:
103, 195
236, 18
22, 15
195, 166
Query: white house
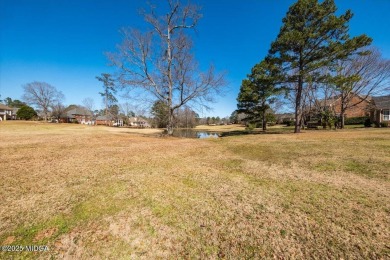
5, 112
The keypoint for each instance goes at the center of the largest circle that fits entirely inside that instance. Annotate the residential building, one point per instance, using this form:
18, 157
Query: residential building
362, 107
138, 122
380, 109
105, 120
77, 114
5, 112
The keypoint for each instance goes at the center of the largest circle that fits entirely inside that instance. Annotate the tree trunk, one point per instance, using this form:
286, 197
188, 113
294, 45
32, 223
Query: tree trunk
170, 83
170, 122
342, 112
298, 112
264, 121
342, 118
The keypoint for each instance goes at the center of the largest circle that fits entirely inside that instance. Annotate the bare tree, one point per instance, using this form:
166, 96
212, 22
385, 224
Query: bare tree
42, 95
362, 76
185, 118
89, 104
58, 109
161, 64
127, 109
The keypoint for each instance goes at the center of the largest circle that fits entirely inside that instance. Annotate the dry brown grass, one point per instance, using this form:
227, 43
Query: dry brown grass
98, 192
220, 128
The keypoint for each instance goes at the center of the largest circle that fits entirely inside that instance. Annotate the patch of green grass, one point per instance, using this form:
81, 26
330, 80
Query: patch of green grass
358, 168
103, 203
325, 166
190, 182
320, 155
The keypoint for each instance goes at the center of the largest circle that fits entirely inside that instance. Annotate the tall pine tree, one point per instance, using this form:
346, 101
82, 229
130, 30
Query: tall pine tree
312, 37
257, 92
108, 93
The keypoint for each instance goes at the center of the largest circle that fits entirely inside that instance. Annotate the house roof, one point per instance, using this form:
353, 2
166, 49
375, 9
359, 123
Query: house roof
5, 107
105, 117
79, 111
382, 102
138, 120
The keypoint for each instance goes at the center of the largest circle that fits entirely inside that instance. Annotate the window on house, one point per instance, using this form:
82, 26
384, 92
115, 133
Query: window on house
386, 115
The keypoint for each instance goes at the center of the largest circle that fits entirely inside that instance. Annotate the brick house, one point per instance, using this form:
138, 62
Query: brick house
77, 114
361, 109
380, 109
105, 120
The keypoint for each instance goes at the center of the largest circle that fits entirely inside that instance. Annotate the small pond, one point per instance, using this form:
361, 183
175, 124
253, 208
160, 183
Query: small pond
191, 133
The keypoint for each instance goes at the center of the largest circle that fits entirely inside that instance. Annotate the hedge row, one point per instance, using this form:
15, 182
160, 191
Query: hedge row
355, 120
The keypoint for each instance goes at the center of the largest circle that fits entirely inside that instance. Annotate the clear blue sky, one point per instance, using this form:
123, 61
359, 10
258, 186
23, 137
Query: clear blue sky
62, 42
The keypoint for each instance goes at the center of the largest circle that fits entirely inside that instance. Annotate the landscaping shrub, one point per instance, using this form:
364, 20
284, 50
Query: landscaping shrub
367, 123
384, 124
355, 120
26, 113
251, 126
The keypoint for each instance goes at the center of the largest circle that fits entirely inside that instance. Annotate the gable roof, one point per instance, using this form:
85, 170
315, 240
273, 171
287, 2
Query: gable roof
382, 102
137, 119
333, 99
5, 107
79, 111
108, 117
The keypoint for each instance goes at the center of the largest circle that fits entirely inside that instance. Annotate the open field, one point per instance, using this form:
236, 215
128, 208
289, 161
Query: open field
99, 192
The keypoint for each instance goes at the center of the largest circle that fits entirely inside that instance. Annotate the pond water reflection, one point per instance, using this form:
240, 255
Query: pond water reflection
190, 133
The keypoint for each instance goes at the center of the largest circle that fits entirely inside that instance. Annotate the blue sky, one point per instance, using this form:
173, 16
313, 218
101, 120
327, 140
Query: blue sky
62, 42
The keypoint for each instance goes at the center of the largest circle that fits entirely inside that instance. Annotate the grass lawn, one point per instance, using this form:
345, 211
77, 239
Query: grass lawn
99, 192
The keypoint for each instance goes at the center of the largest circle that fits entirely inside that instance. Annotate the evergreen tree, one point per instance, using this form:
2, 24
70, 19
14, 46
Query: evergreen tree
26, 113
108, 92
312, 37
14, 103
257, 92
234, 117
160, 113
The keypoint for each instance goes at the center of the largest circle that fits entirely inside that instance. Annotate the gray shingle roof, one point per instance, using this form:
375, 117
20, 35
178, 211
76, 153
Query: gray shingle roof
382, 102
105, 117
79, 111
5, 107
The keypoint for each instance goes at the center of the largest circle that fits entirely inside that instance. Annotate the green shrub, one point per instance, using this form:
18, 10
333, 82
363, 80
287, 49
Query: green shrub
385, 124
355, 120
367, 123
251, 126
288, 122
26, 113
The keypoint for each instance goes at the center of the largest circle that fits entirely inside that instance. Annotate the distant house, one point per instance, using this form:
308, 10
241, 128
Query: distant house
105, 120
284, 118
5, 112
138, 122
380, 109
361, 109
14, 113
77, 114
